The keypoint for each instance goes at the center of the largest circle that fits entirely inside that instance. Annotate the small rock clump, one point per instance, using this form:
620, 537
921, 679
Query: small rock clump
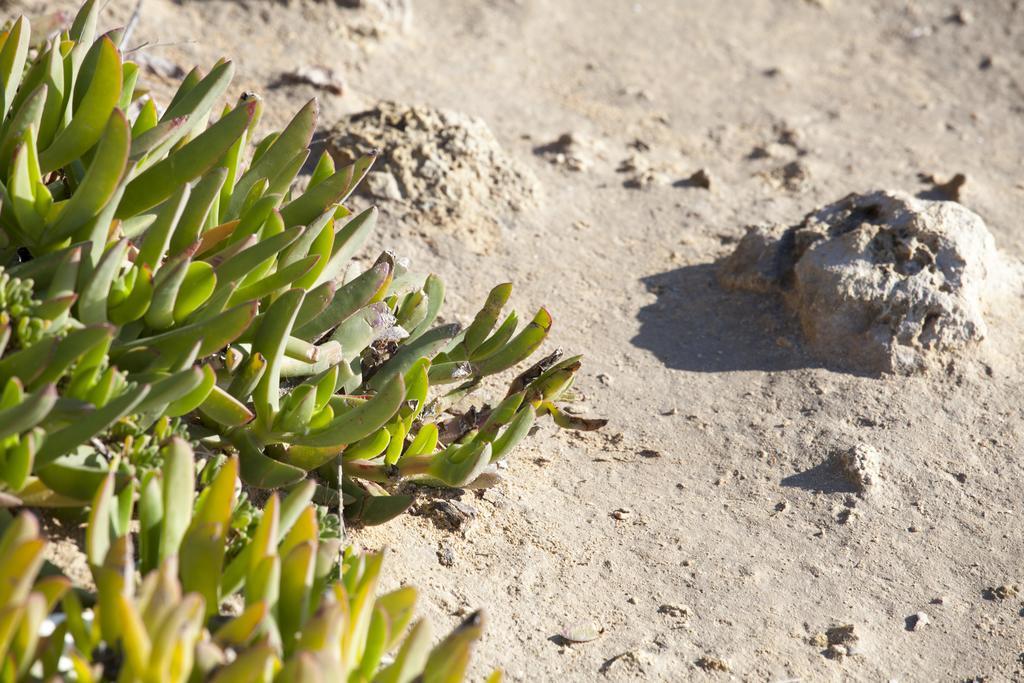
918, 621
861, 465
436, 166
712, 664
1003, 592
675, 611
837, 642
572, 151
881, 282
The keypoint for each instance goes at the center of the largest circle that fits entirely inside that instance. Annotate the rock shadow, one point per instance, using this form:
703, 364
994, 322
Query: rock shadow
822, 478
696, 325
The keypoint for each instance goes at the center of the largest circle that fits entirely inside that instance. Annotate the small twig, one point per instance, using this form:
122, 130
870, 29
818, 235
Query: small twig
132, 23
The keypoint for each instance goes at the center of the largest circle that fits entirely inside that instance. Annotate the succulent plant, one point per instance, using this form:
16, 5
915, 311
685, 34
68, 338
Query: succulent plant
174, 276
181, 313
294, 626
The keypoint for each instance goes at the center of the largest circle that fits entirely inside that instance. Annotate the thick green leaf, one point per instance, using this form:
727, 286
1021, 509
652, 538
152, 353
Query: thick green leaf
486, 318
519, 348
91, 116
305, 208
214, 333
161, 180
224, 409
197, 210
158, 235
259, 469
178, 488
12, 62
293, 140
92, 305
29, 114
348, 239
100, 182
27, 414
271, 337
434, 289
360, 421
347, 300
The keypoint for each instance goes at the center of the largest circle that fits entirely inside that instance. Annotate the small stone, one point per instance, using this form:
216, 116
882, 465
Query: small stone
700, 179
940, 600
320, 77
918, 621
818, 640
675, 611
781, 506
837, 652
581, 633
649, 453
961, 16
861, 465
621, 513
572, 150
445, 555
712, 664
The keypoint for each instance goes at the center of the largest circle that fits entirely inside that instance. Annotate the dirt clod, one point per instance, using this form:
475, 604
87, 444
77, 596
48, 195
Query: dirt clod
861, 465
446, 168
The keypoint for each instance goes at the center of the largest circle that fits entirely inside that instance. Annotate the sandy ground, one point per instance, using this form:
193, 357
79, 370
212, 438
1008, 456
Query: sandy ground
734, 543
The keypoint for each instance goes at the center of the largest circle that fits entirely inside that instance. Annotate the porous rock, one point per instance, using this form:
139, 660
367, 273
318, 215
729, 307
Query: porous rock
881, 282
435, 166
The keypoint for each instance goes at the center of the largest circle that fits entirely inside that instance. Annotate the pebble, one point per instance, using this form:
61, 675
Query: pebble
581, 633
837, 652
675, 611
700, 179
445, 555
712, 664
918, 621
621, 513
